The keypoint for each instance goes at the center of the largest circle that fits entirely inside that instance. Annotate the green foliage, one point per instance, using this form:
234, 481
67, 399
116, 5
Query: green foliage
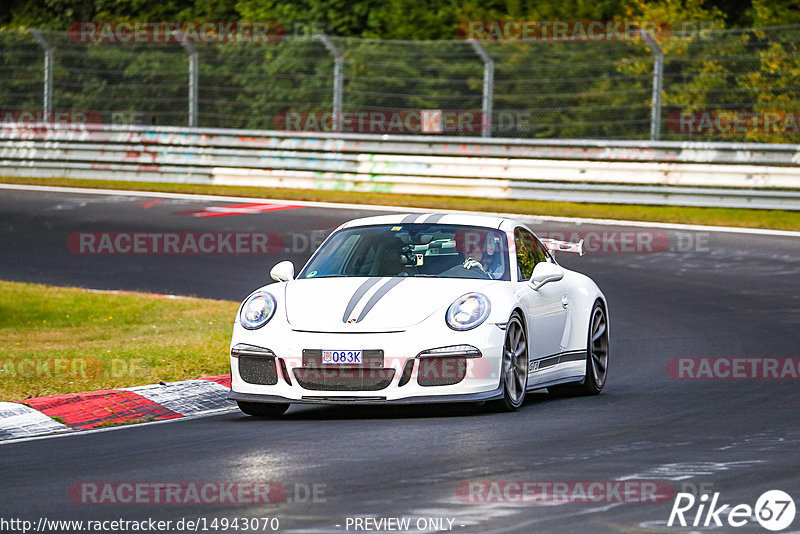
59, 14
774, 13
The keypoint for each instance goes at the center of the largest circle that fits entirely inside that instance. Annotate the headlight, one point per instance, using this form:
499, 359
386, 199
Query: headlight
468, 311
257, 310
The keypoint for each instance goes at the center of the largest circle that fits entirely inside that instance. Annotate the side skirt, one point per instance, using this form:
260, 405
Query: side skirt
549, 362
546, 362
570, 380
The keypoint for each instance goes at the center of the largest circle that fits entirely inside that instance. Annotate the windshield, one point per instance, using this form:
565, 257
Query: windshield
427, 250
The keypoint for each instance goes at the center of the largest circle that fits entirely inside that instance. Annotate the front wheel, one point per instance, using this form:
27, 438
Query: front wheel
596, 358
514, 371
260, 409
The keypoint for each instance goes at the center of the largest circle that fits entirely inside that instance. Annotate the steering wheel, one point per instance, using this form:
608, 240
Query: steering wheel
475, 266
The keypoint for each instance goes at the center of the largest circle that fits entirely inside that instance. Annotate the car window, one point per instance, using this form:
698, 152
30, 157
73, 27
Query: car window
417, 249
529, 252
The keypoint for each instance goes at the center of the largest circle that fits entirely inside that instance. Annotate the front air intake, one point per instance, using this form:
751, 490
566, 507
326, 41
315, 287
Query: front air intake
256, 364
258, 370
441, 371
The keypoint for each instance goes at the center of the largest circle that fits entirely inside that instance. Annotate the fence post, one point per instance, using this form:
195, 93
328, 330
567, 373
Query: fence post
658, 77
48, 72
488, 86
193, 76
338, 63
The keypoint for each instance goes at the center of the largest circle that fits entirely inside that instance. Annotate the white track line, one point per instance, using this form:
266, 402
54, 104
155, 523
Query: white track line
401, 209
65, 434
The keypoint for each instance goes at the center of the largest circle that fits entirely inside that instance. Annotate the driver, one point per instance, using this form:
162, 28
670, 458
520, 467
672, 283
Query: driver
492, 261
488, 261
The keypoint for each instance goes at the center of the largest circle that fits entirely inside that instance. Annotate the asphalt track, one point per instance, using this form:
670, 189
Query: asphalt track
734, 295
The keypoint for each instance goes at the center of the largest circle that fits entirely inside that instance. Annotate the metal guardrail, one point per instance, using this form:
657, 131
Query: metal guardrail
668, 173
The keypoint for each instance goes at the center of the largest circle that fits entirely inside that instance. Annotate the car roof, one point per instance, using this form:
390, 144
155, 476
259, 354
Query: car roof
466, 219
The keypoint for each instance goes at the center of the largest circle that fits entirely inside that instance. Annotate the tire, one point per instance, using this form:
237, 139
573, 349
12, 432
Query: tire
514, 368
596, 358
261, 409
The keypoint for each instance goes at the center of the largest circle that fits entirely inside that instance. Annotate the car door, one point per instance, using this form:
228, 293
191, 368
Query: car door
545, 308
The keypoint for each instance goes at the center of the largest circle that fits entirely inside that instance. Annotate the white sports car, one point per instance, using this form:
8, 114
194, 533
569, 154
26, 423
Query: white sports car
421, 308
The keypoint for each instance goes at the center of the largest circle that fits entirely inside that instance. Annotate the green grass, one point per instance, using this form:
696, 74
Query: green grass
772, 219
66, 340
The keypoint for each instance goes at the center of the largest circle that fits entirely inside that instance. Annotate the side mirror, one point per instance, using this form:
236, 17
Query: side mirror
545, 272
283, 271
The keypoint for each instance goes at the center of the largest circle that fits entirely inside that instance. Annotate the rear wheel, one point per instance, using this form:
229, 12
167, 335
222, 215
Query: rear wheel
514, 371
260, 409
596, 358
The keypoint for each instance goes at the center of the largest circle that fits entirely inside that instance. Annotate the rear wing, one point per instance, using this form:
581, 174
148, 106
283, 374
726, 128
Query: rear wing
554, 245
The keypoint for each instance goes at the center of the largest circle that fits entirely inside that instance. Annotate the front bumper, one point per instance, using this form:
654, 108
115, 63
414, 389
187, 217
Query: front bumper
481, 381
374, 401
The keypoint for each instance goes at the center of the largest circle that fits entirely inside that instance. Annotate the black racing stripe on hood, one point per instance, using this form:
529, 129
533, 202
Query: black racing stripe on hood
359, 293
378, 295
433, 219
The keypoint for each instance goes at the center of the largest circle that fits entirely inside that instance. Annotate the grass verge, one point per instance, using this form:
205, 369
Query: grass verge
68, 340
747, 218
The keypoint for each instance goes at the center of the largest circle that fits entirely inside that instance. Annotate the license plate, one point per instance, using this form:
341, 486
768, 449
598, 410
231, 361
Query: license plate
342, 357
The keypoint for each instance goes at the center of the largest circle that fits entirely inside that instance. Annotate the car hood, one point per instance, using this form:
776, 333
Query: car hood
370, 304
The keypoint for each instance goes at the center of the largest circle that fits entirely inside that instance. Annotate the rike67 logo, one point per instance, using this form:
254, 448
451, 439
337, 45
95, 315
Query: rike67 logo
774, 510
